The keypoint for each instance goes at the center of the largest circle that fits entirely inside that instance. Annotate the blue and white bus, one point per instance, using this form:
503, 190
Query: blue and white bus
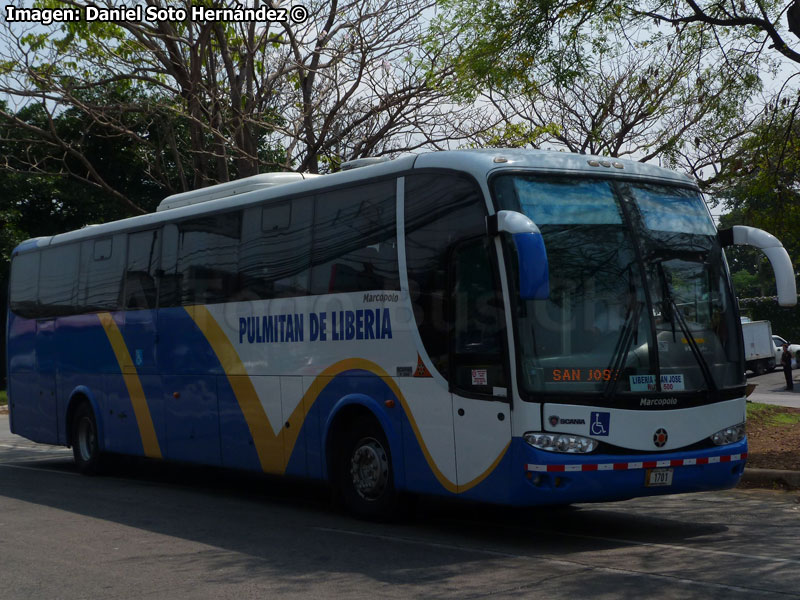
514, 327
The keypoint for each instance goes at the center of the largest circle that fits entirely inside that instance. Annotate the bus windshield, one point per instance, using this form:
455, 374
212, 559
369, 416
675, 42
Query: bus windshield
640, 301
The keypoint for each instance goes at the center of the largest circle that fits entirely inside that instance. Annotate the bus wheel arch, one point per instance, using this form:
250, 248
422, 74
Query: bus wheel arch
362, 462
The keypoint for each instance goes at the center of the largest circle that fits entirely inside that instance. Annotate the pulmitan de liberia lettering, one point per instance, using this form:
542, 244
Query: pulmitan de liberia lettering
345, 325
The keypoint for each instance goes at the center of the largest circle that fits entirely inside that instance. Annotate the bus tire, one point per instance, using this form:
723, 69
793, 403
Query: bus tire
364, 472
85, 442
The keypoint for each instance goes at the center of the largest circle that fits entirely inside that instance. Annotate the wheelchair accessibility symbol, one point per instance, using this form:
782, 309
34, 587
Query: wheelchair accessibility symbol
599, 424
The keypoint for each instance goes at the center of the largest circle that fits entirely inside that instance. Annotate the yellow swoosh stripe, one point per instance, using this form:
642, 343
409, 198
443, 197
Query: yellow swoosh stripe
270, 447
140, 408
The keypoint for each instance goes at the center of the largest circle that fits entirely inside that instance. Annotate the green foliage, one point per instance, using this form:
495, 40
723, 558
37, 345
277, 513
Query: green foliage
516, 135
760, 189
597, 76
746, 284
785, 320
11, 234
762, 177
501, 41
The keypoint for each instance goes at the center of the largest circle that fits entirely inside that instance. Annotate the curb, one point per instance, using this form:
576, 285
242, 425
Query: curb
771, 477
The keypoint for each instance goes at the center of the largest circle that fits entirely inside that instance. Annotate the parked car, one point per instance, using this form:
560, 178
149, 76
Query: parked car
793, 348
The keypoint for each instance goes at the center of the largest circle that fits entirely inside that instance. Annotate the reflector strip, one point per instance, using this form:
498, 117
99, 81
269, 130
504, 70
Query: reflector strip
630, 466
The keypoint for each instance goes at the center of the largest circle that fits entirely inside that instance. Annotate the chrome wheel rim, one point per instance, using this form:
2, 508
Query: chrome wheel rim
86, 439
369, 469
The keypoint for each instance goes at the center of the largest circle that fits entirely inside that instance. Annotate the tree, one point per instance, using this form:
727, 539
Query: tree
215, 99
747, 26
644, 106
761, 186
596, 78
47, 203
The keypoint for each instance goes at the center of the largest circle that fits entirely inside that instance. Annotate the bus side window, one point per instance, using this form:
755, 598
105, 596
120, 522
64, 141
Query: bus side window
441, 210
58, 280
24, 285
208, 258
355, 240
143, 258
275, 255
169, 283
102, 265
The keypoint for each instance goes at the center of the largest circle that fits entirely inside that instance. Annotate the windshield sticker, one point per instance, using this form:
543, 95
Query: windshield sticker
479, 377
647, 383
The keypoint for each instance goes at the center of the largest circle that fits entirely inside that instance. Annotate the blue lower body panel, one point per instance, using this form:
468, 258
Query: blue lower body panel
550, 478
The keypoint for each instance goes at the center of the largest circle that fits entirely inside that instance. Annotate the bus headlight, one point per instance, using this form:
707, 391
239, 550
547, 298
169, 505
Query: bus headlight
729, 435
560, 442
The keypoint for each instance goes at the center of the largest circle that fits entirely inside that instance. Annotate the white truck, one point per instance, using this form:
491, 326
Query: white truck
759, 351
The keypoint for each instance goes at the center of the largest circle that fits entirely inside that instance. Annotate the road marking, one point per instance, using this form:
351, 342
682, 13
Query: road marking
19, 457
562, 562
37, 469
34, 448
671, 547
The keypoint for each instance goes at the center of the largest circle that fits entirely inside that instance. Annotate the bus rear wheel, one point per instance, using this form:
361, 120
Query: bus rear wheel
364, 474
85, 443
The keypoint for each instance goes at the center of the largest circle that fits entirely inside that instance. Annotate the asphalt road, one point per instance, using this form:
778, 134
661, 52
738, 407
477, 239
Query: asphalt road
771, 388
162, 531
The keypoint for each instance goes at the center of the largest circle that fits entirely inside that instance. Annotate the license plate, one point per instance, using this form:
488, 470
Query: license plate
656, 477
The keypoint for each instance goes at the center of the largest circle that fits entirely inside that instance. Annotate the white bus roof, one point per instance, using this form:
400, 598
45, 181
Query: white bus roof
260, 188
231, 188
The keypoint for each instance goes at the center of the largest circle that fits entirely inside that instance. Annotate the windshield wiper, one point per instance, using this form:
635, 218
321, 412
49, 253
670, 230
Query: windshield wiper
630, 331
678, 317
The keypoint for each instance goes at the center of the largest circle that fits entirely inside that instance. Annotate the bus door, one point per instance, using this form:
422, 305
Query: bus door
478, 373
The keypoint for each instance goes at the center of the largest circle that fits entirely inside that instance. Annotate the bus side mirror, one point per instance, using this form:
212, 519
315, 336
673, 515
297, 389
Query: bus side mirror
534, 272
741, 235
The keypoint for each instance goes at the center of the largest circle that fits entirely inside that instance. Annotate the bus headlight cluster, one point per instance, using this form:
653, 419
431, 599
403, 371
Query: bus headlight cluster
560, 442
729, 435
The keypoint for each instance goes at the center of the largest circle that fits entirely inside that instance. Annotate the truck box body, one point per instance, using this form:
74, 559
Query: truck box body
759, 351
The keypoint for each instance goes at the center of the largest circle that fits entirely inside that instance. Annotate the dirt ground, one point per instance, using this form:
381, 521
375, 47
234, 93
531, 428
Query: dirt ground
773, 440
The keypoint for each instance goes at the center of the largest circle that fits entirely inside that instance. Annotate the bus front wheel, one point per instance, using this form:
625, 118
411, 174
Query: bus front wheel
365, 477
85, 444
